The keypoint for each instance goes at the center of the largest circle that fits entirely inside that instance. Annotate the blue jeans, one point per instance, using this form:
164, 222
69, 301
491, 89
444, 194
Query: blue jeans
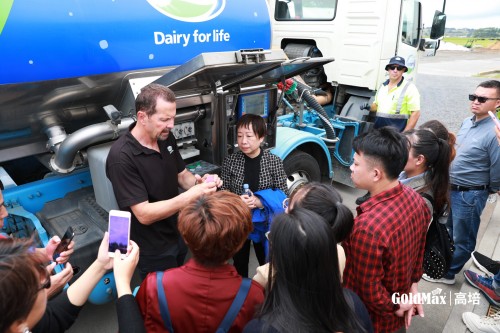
463, 223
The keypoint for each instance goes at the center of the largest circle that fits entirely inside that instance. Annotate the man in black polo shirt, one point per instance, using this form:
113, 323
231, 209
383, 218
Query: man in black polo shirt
146, 170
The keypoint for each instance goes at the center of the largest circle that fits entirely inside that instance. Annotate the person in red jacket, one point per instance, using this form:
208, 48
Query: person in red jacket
199, 294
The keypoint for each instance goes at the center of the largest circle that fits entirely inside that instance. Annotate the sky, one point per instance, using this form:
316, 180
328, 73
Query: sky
464, 14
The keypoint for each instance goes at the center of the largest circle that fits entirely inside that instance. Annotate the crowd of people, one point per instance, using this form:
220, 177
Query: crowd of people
320, 268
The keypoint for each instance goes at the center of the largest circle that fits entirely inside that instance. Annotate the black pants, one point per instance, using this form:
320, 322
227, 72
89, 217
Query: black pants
171, 258
242, 257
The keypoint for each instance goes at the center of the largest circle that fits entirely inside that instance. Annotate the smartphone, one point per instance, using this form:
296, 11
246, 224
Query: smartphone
495, 119
119, 232
65, 240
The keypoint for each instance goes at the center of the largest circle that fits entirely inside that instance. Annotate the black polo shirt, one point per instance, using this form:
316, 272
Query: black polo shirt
141, 174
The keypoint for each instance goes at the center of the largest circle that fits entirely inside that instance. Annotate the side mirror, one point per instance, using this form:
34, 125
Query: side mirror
421, 45
438, 25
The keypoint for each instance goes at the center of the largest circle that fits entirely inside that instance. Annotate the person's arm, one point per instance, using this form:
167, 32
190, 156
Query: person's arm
151, 212
129, 317
412, 121
367, 269
79, 291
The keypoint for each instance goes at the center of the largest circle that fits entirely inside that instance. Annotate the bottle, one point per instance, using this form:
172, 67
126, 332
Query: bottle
246, 190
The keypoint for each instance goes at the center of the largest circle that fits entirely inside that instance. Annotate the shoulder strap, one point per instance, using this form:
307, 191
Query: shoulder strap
162, 300
235, 308
402, 96
428, 197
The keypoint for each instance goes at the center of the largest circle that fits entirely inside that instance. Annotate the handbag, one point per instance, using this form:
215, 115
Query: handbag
439, 246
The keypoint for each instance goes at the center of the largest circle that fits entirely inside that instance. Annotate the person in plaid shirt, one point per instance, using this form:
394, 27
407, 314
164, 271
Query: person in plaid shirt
386, 248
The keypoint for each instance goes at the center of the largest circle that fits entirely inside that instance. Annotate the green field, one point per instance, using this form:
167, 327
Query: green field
476, 42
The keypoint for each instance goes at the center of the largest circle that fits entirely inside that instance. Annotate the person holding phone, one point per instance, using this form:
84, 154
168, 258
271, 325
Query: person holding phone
24, 282
58, 280
265, 175
146, 171
474, 175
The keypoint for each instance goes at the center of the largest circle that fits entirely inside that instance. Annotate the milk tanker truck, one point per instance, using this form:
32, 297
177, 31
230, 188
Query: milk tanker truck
70, 71
69, 74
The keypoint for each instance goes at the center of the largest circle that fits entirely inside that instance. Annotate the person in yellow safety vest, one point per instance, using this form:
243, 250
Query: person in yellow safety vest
397, 101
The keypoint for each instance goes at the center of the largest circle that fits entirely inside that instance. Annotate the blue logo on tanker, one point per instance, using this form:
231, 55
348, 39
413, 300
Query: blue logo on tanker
189, 10
46, 40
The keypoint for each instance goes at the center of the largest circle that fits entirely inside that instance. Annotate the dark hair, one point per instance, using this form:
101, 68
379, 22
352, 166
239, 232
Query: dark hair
491, 84
1, 185
437, 155
304, 293
146, 100
20, 272
441, 132
324, 200
257, 122
215, 226
387, 147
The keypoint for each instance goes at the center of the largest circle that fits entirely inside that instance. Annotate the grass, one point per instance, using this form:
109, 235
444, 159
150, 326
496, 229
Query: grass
464, 41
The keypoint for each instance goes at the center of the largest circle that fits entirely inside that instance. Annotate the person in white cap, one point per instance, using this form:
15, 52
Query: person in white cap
397, 101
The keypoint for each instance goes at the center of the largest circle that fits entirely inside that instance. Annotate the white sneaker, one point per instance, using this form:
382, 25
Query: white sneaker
442, 280
477, 324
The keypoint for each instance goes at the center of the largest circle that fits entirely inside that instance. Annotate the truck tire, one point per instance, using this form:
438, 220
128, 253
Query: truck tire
300, 168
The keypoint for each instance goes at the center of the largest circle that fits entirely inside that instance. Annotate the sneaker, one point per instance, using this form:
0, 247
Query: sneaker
487, 265
441, 280
362, 199
478, 324
484, 284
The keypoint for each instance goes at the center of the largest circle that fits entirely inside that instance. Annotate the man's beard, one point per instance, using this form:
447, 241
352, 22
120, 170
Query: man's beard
163, 136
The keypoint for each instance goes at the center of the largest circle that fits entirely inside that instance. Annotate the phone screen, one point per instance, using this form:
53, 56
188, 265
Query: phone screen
119, 227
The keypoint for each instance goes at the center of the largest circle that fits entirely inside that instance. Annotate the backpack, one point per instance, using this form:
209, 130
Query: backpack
229, 318
439, 246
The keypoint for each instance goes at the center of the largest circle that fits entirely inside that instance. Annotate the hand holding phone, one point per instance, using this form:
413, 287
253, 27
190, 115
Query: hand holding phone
119, 232
65, 241
495, 119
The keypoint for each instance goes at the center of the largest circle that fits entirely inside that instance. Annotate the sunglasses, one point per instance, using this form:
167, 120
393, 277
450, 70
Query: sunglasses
480, 99
399, 68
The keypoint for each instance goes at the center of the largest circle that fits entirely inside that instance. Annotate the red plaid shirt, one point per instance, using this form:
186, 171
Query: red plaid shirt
385, 252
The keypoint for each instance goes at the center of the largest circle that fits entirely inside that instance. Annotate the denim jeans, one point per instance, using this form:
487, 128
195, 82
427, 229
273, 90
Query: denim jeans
463, 223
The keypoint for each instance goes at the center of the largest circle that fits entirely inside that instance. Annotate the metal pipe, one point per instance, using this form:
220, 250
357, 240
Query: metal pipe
63, 160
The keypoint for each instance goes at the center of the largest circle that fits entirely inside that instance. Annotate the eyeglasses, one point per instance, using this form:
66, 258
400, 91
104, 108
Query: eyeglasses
399, 68
46, 284
480, 99
286, 203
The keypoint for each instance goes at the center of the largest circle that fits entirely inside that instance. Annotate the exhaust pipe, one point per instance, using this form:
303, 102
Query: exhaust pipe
64, 159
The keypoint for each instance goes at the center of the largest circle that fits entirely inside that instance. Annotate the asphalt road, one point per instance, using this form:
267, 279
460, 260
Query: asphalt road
444, 82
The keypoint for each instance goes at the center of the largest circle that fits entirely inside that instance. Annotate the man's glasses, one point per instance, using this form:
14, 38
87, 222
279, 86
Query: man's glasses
480, 99
399, 68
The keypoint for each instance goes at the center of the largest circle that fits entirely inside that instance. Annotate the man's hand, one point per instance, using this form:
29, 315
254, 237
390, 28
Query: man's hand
211, 178
365, 106
59, 280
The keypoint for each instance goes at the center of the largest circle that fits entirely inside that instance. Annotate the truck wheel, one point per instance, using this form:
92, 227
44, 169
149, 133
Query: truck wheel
301, 168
